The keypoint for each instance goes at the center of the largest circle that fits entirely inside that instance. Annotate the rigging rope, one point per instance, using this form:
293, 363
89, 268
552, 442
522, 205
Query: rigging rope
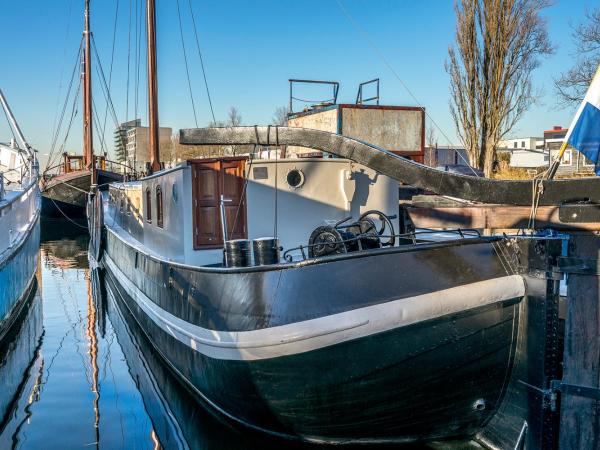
187, 69
138, 55
382, 57
105, 87
62, 70
66, 216
212, 112
56, 132
128, 60
112, 58
73, 115
96, 121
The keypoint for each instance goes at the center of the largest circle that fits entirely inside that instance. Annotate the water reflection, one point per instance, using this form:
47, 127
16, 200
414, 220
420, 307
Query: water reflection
21, 368
179, 421
75, 389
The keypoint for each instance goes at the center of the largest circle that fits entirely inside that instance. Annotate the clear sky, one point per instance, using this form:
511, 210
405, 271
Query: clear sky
251, 49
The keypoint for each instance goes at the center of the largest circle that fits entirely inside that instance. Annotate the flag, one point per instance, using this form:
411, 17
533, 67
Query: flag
584, 132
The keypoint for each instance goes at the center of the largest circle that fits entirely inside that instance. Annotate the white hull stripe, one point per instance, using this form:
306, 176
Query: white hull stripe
322, 332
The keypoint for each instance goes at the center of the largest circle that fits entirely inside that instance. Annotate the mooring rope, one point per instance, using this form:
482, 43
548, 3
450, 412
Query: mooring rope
66, 216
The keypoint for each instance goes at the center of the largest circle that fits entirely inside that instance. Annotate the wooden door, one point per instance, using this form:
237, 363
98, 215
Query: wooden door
205, 193
212, 178
232, 173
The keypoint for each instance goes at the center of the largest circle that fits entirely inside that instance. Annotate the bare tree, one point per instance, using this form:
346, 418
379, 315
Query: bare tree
498, 45
572, 85
431, 138
280, 116
234, 118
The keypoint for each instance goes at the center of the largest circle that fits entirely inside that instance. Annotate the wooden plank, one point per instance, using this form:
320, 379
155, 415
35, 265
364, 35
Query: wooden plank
490, 216
580, 416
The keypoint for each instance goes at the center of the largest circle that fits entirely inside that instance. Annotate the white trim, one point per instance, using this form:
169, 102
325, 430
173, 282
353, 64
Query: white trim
317, 333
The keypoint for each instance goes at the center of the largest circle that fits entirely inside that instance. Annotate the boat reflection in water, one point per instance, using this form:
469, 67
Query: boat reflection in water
71, 388
21, 369
179, 421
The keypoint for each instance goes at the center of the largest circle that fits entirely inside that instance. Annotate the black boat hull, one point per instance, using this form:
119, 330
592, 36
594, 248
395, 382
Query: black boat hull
424, 375
66, 195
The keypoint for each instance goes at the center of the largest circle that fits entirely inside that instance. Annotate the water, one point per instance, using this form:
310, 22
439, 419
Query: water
76, 371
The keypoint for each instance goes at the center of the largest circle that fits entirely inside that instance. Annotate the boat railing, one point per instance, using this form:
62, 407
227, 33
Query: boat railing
110, 165
21, 176
414, 238
101, 163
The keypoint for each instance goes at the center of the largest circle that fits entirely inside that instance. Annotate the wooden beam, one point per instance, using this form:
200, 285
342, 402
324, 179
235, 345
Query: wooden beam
580, 416
490, 217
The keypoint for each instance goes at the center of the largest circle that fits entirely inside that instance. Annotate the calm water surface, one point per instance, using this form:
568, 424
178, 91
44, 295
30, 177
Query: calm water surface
76, 372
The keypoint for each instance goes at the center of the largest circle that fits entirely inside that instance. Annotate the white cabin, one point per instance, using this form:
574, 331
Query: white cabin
175, 214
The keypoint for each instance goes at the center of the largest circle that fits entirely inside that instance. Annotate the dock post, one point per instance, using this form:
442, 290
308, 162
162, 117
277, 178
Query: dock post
580, 407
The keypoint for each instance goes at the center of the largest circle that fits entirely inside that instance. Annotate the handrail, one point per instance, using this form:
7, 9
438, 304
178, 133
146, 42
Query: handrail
464, 233
61, 165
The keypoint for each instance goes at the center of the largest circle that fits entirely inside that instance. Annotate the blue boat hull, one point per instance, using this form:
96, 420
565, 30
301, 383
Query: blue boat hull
17, 275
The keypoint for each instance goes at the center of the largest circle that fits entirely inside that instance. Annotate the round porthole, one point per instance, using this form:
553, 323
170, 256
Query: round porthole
295, 178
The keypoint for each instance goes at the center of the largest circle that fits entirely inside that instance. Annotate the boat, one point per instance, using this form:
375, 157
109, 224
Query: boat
349, 337
282, 294
19, 222
65, 186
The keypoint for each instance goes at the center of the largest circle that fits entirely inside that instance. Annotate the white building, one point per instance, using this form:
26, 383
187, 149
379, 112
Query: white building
137, 149
525, 143
529, 159
525, 152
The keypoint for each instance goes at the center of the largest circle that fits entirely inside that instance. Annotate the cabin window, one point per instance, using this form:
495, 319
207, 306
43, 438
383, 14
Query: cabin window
148, 205
213, 178
159, 207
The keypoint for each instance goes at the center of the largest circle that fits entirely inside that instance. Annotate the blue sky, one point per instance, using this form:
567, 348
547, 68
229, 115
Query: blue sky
251, 49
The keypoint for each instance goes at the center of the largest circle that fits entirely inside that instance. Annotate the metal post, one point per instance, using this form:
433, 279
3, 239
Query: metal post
224, 227
152, 87
14, 124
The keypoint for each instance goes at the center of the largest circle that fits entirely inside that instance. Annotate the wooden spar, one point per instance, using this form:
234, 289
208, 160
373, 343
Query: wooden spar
477, 189
152, 87
88, 140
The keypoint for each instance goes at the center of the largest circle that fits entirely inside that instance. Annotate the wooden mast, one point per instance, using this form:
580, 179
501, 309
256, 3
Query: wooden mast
152, 87
88, 140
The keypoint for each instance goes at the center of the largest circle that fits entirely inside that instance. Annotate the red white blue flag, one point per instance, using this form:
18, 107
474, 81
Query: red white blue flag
584, 132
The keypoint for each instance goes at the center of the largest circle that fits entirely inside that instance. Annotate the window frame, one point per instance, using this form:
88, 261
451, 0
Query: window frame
148, 205
158, 194
564, 158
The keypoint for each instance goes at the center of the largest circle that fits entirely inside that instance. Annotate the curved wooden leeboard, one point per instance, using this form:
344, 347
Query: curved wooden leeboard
484, 190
